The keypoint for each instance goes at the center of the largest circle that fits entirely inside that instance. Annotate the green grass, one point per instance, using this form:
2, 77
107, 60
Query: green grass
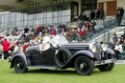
37, 76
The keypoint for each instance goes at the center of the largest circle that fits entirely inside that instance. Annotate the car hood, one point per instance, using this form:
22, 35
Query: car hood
77, 45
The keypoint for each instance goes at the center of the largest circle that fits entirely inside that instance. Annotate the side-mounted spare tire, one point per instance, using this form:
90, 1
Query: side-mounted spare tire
62, 57
19, 65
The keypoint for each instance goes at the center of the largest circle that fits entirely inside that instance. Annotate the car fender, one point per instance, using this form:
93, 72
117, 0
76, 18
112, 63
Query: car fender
77, 54
110, 51
18, 55
84, 52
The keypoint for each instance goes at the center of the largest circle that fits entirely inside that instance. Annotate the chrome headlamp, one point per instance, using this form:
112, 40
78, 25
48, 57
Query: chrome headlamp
92, 47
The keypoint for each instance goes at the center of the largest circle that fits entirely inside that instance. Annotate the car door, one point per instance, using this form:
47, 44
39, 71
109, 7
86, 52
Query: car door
41, 58
46, 58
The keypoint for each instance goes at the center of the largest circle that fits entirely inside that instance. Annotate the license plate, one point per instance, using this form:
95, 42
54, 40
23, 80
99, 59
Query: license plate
108, 61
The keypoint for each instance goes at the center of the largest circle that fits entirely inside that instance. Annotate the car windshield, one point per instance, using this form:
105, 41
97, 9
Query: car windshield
58, 40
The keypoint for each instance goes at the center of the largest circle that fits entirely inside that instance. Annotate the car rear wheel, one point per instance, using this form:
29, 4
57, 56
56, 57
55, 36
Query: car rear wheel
106, 67
19, 66
84, 65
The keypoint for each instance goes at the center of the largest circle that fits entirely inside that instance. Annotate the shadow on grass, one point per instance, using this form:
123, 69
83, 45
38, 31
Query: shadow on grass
46, 71
97, 72
63, 72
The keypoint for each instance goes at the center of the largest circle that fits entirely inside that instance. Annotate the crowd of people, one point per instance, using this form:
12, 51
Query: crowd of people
30, 36
90, 15
118, 45
35, 36
73, 32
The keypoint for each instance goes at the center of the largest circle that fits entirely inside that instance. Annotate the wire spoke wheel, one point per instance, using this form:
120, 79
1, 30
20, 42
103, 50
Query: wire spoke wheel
84, 65
19, 65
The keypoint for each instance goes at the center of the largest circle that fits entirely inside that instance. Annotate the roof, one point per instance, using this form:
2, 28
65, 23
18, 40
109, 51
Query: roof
6, 5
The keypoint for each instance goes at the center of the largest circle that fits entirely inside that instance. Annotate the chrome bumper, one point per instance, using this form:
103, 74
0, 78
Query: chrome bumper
102, 62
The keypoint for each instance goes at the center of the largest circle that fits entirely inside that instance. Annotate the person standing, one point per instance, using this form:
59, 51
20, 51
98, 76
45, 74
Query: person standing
118, 49
97, 14
92, 15
53, 31
119, 15
6, 45
102, 14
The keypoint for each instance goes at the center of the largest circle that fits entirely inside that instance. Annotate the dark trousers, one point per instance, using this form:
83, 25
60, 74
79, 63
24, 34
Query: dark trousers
117, 54
0, 56
6, 55
119, 19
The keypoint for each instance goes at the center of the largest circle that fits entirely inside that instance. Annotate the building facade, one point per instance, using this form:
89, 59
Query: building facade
36, 12
110, 6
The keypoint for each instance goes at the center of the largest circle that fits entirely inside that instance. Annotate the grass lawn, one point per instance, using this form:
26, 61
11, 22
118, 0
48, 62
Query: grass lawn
38, 76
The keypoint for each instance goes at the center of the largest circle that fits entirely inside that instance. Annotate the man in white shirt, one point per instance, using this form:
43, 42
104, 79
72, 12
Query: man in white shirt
118, 49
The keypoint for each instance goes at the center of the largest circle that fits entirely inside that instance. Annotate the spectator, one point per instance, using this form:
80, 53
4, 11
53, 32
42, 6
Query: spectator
38, 30
14, 31
83, 33
92, 15
86, 13
118, 49
119, 15
121, 12
81, 17
1, 50
97, 14
74, 37
25, 46
87, 25
53, 31
102, 14
6, 45
111, 45
121, 40
26, 30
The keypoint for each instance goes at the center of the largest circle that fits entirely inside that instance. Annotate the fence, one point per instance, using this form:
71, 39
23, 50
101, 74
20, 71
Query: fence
102, 28
107, 36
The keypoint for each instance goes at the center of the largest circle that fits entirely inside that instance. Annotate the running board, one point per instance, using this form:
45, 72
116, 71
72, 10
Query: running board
43, 67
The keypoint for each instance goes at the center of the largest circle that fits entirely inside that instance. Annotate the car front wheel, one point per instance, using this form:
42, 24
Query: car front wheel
84, 65
20, 66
